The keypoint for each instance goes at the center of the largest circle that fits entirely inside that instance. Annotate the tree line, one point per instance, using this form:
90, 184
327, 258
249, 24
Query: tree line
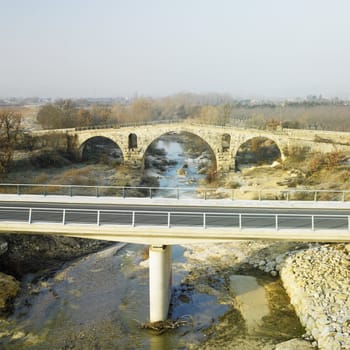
208, 109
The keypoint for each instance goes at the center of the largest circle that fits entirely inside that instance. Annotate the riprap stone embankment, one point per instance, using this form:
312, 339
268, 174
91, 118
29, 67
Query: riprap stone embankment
317, 281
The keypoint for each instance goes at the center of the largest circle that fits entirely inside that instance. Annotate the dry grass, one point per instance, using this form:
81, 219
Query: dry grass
41, 178
83, 176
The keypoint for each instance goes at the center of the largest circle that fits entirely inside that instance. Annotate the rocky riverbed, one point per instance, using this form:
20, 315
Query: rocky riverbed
265, 321
316, 278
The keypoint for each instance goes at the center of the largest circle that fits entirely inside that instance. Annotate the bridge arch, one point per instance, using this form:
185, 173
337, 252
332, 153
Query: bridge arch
96, 143
154, 138
260, 147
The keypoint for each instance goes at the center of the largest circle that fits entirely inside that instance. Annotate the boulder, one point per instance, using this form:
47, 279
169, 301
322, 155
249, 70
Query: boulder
181, 172
9, 288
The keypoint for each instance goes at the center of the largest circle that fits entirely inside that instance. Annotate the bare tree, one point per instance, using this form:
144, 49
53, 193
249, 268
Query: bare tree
10, 122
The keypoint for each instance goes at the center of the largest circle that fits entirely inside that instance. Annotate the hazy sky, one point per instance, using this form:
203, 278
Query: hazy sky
96, 48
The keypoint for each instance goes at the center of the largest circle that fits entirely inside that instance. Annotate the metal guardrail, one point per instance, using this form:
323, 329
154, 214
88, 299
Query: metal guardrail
170, 219
175, 192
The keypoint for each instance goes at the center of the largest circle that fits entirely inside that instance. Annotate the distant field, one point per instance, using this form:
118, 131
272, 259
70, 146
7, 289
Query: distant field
29, 114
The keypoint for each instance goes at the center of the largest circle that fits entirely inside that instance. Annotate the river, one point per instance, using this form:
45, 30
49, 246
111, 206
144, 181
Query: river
100, 301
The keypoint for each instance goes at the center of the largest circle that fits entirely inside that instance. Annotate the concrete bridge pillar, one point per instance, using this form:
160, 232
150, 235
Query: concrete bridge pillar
160, 282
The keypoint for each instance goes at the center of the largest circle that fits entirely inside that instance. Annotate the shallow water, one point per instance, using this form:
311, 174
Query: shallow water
99, 302
170, 178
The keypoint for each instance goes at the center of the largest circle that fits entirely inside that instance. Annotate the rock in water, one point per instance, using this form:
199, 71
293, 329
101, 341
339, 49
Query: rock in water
181, 172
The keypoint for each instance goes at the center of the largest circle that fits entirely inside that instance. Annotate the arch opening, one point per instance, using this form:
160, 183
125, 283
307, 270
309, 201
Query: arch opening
132, 141
178, 159
257, 151
101, 149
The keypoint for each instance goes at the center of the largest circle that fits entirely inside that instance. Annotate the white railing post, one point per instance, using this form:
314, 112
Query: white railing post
98, 217
204, 220
276, 221
133, 219
313, 222
315, 197
30, 216
64, 217
240, 221
168, 219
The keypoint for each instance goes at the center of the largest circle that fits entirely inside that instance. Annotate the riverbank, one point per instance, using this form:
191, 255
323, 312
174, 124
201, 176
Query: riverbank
262, 316
316, 278
39, 255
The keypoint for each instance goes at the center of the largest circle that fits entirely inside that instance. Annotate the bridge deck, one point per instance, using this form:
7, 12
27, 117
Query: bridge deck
156, 235
169, 225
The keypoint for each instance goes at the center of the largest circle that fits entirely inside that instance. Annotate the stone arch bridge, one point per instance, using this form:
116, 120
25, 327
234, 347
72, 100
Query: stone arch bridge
224, 141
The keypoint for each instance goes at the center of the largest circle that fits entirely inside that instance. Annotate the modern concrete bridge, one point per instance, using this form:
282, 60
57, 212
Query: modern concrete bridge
223, 141
162, 223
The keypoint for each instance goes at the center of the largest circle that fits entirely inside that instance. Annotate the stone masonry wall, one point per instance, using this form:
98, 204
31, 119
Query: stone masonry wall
317, 281
286, 139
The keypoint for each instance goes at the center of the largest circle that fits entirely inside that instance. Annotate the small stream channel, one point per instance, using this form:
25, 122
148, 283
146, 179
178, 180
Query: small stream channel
99, 301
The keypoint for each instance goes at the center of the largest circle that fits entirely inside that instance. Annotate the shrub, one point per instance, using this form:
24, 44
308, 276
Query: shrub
333, 159
315, 164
